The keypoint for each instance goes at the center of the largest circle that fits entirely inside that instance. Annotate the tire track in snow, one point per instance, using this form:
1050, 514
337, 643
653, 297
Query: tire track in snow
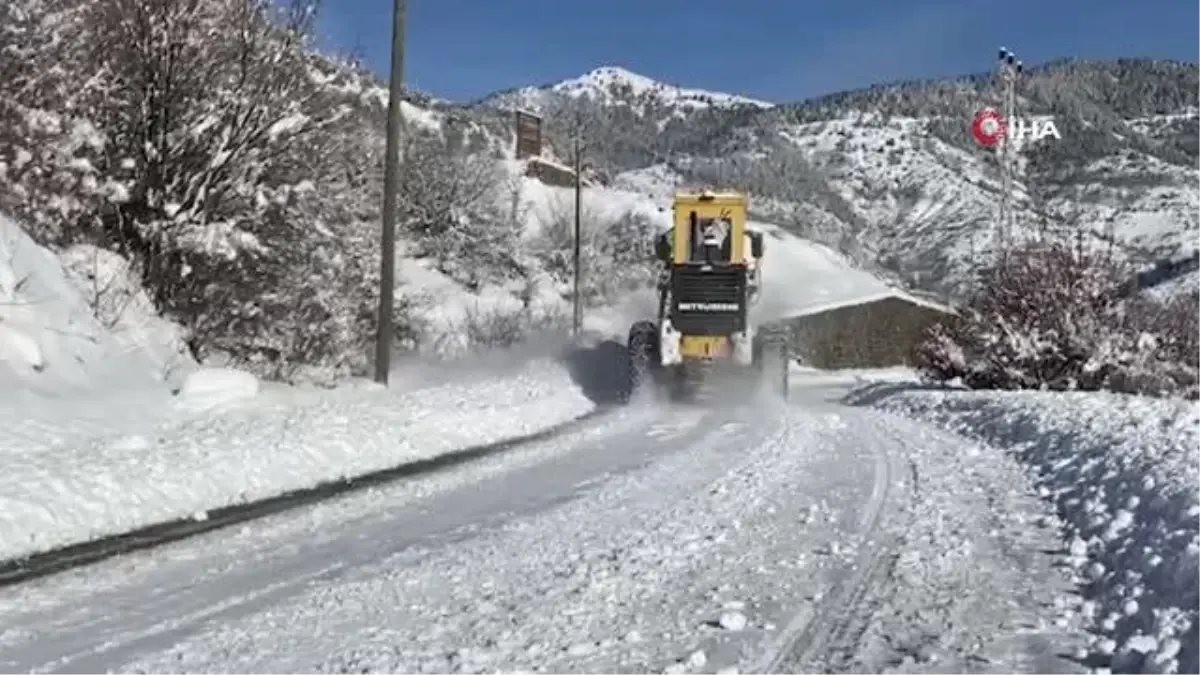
818, 630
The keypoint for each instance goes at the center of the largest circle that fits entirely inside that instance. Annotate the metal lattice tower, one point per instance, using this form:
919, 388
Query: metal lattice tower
1009, 69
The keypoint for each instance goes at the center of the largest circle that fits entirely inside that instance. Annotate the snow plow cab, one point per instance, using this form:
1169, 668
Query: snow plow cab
709, 277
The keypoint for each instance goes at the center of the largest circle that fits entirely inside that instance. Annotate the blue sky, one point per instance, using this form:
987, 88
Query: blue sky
771, 49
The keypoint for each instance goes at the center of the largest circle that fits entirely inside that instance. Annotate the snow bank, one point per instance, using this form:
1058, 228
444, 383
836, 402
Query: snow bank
56, 340
59, 494
1122, 472
114, 293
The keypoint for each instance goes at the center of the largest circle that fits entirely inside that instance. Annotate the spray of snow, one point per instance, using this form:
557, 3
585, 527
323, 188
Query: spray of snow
802, 277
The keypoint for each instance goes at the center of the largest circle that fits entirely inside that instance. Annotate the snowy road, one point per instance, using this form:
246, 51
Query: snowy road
800, 537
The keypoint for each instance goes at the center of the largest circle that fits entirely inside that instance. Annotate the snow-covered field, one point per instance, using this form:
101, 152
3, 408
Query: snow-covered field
1122, 472
57, 492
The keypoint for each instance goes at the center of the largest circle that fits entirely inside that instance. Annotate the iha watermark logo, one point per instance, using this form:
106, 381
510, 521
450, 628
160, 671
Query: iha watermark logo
990, 127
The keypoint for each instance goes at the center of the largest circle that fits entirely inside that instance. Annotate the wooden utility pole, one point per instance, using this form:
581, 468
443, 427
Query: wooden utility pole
391, 183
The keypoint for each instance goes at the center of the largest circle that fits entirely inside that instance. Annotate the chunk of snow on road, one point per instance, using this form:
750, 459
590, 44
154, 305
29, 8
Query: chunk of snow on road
1122, 472
287, 124
732, 620
69, 493
216, 387
19, 349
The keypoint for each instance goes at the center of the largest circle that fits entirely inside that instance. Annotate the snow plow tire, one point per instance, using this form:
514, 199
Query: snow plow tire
643, 355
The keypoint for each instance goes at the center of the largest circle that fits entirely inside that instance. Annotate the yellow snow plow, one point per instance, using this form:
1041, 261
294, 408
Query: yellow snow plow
709, 276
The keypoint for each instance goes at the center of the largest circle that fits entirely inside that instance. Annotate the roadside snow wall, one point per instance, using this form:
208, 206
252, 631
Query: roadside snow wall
57, 341
1122, 472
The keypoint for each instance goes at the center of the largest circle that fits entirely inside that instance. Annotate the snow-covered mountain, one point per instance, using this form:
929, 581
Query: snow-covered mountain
890, 175
613, 85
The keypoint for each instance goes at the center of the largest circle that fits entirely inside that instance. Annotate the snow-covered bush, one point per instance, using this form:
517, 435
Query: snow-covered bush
1053, 316
49, 148
502, 327
456, 209
191, 138
616, 254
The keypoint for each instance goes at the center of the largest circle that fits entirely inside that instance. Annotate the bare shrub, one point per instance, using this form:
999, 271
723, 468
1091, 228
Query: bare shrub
500, 327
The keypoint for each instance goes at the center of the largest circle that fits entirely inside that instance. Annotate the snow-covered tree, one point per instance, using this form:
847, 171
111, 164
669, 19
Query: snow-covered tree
616, 254
50, 144
456, 206
206, 142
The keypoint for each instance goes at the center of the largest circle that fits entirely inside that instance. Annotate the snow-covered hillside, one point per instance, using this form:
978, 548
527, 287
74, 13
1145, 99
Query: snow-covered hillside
907, 194
917, 204
78, 323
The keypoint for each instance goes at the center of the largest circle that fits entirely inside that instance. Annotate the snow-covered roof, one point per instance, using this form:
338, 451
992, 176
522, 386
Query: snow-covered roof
802, 277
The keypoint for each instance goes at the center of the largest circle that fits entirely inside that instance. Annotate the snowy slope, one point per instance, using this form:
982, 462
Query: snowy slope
930, 207
927, 208
96, 444
907, 192
445, 309
78, 328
